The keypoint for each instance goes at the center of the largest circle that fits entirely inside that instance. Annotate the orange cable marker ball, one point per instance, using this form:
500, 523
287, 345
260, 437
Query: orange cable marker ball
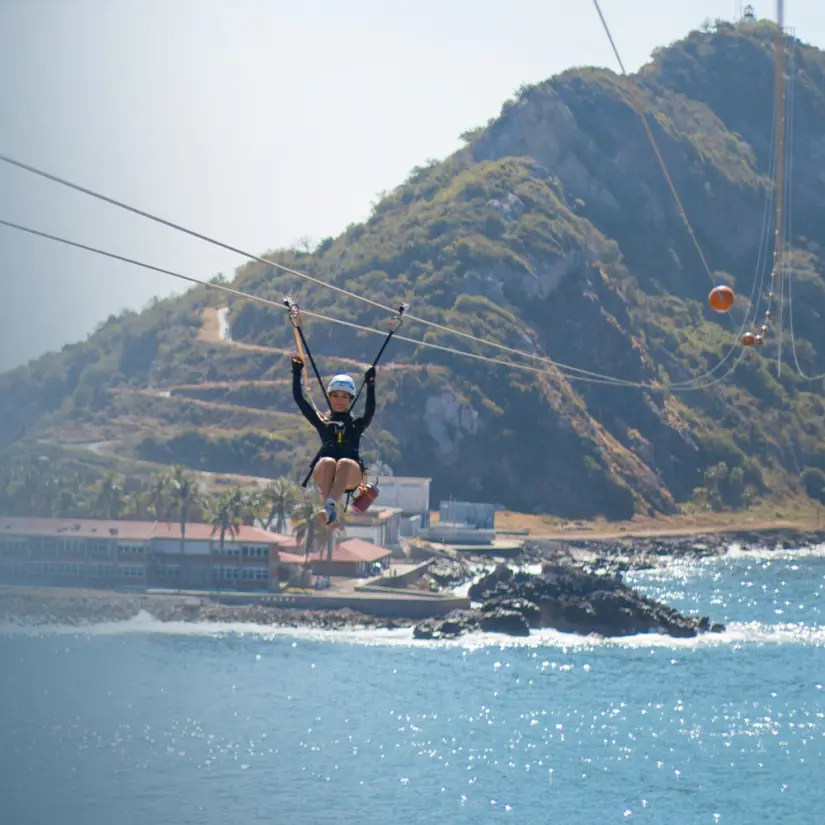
748, 339
721, 298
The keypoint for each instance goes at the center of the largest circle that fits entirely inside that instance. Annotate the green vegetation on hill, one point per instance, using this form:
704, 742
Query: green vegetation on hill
551, 231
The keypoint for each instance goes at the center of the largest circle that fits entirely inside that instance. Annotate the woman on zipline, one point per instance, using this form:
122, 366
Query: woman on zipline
338, 468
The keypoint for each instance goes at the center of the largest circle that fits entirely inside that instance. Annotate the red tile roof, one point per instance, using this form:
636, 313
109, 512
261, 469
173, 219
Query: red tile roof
132, 530
287, 542
353, 551
290, 558
205, 532
77, 527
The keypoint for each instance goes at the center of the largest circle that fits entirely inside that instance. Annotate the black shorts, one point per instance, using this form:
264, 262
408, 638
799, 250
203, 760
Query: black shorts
355, 458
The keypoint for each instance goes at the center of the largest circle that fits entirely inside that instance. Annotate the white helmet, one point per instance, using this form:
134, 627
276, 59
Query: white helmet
343, 383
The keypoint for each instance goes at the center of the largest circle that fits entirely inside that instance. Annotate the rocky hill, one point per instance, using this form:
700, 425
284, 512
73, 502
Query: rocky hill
551, 231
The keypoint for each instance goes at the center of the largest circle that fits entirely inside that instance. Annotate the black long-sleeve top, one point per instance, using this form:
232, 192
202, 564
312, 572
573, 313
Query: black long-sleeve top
340, 432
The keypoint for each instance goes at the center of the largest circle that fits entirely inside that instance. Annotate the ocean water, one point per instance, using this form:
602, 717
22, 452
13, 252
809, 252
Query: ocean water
149, 724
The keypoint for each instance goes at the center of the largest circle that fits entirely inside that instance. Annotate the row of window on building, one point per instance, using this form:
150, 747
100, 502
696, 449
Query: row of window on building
245, 552
18, 547
63, 568
244, 573
115, 571
219, 573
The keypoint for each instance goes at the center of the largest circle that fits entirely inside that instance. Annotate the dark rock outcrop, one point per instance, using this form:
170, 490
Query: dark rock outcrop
530, 611
499, 620
449, 572
453, 625
570, 598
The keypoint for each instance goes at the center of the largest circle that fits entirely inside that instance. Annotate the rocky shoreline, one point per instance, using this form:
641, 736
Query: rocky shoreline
579, 590
636, 553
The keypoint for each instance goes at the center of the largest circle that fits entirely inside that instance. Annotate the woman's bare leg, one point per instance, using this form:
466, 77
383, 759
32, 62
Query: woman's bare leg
324, 475
347, 476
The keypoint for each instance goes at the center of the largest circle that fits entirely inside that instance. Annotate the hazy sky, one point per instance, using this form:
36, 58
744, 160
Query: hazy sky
257, 121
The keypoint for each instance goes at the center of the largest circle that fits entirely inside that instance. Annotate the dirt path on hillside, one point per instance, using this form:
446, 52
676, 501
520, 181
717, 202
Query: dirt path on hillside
211, 329
288, 417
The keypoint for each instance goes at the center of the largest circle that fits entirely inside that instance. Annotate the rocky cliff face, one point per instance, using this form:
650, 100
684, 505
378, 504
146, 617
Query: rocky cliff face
553, 232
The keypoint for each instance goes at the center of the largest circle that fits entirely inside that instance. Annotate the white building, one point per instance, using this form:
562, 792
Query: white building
380, 525
410, 495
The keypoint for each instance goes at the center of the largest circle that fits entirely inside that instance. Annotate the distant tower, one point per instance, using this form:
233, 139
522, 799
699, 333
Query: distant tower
749, 15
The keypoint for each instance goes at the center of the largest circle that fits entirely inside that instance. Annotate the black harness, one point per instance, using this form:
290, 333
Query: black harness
339, 440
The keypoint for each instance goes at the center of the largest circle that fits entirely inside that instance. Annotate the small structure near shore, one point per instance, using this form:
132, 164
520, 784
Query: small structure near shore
473, 514
351, 558
463, 522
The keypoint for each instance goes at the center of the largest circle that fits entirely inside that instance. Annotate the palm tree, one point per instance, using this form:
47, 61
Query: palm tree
158, 496
186, 495
240, 502
67, 500
254, 507
6, 490
27, 488
334, 538
49, 491
225, 515
305, 523
136, 506
282, 496
110, 500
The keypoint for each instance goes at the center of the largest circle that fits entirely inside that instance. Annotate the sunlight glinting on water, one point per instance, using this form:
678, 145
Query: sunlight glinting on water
209, 723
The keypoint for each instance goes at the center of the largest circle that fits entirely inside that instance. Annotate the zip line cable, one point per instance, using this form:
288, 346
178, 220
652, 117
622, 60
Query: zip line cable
288, 270
637, 105
564, 368
789, 261
760, 270
596, 377
520, 353
779, 245
783, 270
777, 138
351, 325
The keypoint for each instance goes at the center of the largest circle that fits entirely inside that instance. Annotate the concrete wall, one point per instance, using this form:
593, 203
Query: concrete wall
367, 532
410, 526
392, 530
191, 547
383, 531
348, 569
458, 535
387, 607
403, 580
